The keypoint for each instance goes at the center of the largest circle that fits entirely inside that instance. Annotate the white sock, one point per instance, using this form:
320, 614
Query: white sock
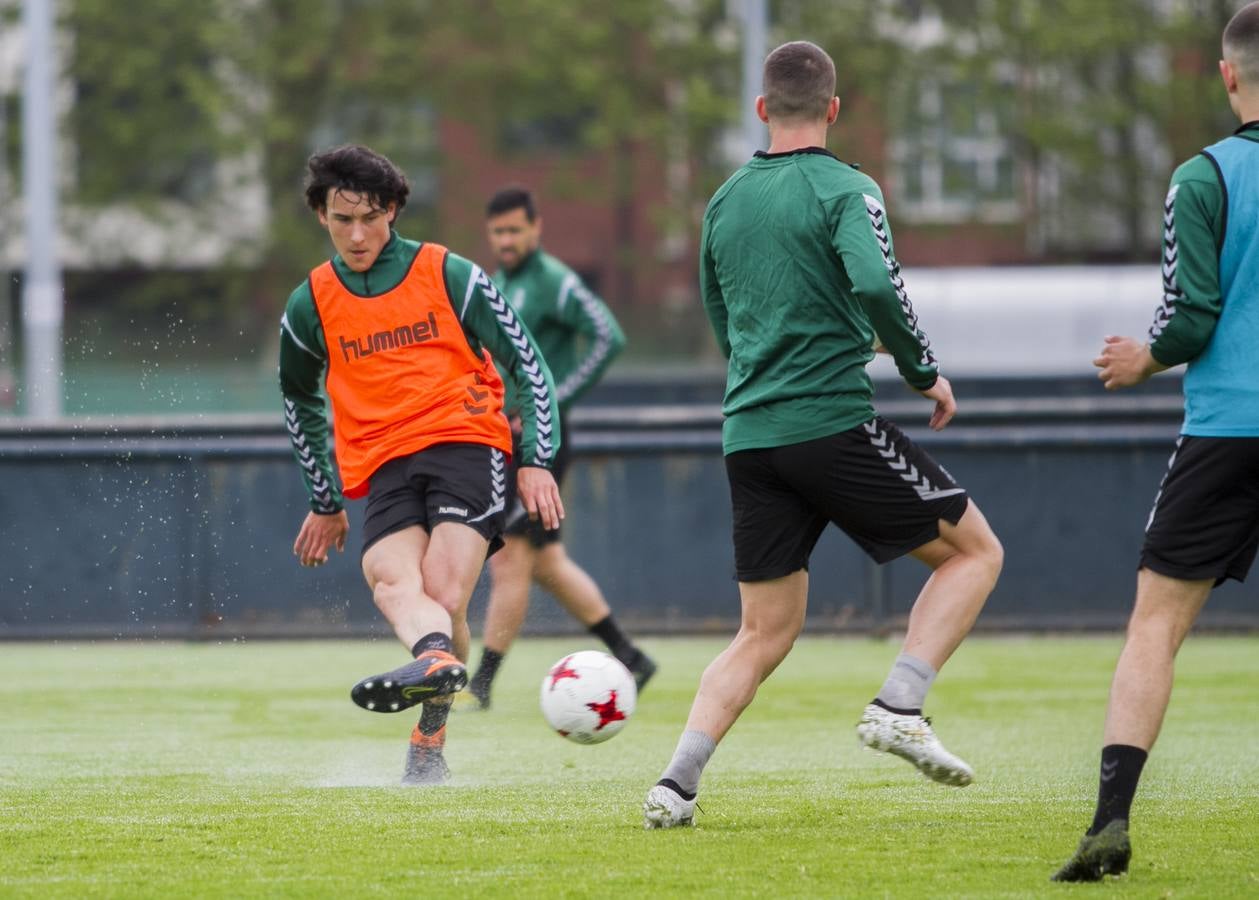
907, 684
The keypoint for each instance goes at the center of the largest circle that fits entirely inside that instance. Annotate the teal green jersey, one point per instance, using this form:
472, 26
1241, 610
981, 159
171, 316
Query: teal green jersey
1209, 317
487, 322
577, 334
800, 281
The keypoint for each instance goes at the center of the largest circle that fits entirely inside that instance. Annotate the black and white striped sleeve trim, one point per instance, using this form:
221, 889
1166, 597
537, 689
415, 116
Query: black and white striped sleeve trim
601, 346
320, 487
544, 447
878, 221
1172, 294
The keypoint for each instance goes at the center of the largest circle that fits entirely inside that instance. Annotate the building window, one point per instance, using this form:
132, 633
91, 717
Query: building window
950, 158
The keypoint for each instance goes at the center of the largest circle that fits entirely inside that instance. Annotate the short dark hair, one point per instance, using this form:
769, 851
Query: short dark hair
799, 82
511, 197
1241, 43
355, 168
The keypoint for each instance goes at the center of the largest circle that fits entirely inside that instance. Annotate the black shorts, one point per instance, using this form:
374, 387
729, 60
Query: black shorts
881, 489
443, 483
518, 522
1205, 520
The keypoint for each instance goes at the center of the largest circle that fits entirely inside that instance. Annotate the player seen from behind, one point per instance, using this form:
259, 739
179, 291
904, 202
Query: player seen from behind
1204, 528
799, 280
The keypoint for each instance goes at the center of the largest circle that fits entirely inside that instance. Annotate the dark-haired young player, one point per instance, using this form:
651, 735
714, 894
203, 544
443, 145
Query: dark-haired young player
798, 278
1204, 527
397, 333
579, 337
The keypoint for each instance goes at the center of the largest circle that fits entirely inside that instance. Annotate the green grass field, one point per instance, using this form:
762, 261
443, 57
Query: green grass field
243, 770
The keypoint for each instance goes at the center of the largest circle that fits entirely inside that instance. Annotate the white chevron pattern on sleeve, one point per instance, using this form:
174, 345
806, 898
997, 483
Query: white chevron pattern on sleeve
599, 350
544, 447
878, 221
1172, 294
320, 487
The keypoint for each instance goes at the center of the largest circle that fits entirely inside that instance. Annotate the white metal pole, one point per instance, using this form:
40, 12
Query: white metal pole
41, 291
755, 15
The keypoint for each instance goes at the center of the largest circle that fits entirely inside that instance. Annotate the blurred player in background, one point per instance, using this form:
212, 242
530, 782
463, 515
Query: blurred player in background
1204, 527
800, 282
579, 337
398, 331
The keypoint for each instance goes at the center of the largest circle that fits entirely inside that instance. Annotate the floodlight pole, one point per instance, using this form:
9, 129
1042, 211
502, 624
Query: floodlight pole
41, 288
755, 16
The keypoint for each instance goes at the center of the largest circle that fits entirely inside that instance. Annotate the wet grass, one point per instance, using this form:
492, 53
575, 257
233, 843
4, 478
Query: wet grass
243, 770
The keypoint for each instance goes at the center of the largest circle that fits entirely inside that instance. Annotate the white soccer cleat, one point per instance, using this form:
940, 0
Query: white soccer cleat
911, 738
666, 808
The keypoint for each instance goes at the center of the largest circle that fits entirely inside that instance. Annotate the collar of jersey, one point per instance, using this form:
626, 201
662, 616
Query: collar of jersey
531, 259
386, 273
1249, 126
812, 151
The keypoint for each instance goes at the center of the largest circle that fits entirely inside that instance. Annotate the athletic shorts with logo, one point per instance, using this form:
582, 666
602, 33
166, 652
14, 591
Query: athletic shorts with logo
443, 483
518, 522
872, 481
1205, 520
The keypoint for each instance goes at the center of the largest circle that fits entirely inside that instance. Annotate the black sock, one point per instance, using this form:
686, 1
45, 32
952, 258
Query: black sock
1121, 770
433, 641
490, 661
433, 717
610, 633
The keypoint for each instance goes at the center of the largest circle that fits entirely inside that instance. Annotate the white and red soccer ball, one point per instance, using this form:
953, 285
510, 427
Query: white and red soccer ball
588, 696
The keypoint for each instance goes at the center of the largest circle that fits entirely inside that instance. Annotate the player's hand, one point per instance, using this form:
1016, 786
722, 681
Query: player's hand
540, 494
319, 534
517, 425
946, 407
1124, 362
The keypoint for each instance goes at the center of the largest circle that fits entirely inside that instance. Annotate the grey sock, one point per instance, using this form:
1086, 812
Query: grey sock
907, 684
689, 760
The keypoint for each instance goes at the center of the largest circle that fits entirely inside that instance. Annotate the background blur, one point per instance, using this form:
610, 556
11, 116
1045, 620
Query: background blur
1024, 147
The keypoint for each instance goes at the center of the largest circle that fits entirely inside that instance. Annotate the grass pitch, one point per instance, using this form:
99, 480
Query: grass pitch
243, 770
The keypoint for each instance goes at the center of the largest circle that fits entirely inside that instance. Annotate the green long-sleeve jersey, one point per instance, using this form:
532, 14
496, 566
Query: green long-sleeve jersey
487, 322
799, 280
576, 332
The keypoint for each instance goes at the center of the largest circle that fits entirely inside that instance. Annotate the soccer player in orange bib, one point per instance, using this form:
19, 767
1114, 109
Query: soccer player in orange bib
398, 335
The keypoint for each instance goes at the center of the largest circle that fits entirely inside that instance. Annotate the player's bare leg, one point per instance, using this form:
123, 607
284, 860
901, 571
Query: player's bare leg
392, 569
570, 584
422, 584
773, 614
965, 560
1165, 610
511, 574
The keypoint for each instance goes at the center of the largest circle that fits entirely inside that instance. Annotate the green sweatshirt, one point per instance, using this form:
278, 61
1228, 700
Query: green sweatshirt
576, 332
799, 279
487, 319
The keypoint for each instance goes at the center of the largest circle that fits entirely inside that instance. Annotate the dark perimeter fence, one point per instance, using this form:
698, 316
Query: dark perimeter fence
182, 528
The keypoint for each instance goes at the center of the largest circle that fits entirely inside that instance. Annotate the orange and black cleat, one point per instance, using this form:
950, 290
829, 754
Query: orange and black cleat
434, 673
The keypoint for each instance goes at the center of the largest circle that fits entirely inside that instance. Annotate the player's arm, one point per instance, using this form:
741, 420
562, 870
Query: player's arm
489, 321
1193, 229
863, 239
710, 293
303, 359
587, 315
1192, 233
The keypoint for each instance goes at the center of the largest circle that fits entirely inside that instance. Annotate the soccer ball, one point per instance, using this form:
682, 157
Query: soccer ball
588, 696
